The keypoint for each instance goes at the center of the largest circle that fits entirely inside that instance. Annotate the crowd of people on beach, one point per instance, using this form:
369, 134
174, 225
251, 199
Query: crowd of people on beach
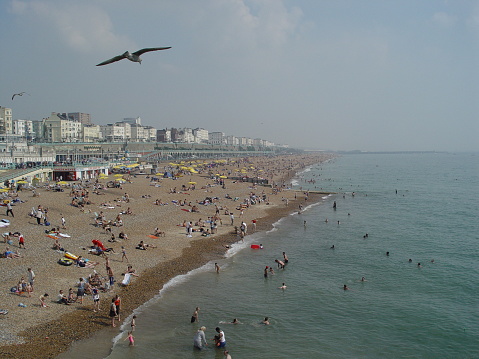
99, 283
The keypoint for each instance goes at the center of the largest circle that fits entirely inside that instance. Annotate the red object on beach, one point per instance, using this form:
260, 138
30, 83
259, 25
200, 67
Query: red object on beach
255, 246
98, 243
186, 210
152, 236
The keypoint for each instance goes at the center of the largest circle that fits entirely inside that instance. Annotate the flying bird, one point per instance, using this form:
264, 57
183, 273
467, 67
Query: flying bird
18, 94
135, 56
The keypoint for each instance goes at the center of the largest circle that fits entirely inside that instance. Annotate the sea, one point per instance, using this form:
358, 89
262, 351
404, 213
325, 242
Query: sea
406, 222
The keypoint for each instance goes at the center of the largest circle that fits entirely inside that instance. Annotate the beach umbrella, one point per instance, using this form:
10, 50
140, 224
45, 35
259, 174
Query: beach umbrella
4, 189
6, 201
118, 175
120, 180
62, 183
22, 182
223, 177
191, 182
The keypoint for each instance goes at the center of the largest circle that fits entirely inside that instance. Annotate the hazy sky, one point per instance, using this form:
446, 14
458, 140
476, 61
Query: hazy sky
323, 74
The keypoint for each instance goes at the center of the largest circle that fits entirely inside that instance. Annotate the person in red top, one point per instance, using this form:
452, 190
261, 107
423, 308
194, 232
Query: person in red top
21, 241
117, 304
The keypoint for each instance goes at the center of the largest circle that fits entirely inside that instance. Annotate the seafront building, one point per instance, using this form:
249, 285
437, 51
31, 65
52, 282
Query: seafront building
71, 137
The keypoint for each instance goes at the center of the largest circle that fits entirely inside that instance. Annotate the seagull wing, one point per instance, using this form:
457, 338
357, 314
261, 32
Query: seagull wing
113, 59
142, 51
18, 94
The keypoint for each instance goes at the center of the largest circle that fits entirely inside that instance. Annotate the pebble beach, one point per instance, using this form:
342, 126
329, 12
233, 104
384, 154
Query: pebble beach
143, 203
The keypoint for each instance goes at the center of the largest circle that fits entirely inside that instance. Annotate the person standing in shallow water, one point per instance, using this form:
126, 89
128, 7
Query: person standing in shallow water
200, 340
195, 317
220, 339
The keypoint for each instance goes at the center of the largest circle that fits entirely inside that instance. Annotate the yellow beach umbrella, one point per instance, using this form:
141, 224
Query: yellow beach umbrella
118, 175
62, 183
223, 177
4, 189
22, 182
191, 182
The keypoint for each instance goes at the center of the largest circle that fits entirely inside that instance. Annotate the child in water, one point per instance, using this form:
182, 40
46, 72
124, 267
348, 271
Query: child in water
131, 339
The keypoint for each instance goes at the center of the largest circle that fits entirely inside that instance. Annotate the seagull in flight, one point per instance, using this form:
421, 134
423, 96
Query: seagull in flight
135, 56
18, 94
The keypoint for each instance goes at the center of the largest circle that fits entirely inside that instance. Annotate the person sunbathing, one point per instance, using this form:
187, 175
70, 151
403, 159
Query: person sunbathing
9, 254
81, 262
144, 246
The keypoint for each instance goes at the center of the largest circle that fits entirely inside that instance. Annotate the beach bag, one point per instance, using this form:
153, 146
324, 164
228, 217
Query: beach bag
47, 223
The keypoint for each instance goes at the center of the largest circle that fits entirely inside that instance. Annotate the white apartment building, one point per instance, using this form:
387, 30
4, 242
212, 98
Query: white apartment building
127, 127
59, 129
23, 128
186, 135
232, 141
150, 133
245, 141
139, 133
201, 135
91, 133
216, 138
113, 132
